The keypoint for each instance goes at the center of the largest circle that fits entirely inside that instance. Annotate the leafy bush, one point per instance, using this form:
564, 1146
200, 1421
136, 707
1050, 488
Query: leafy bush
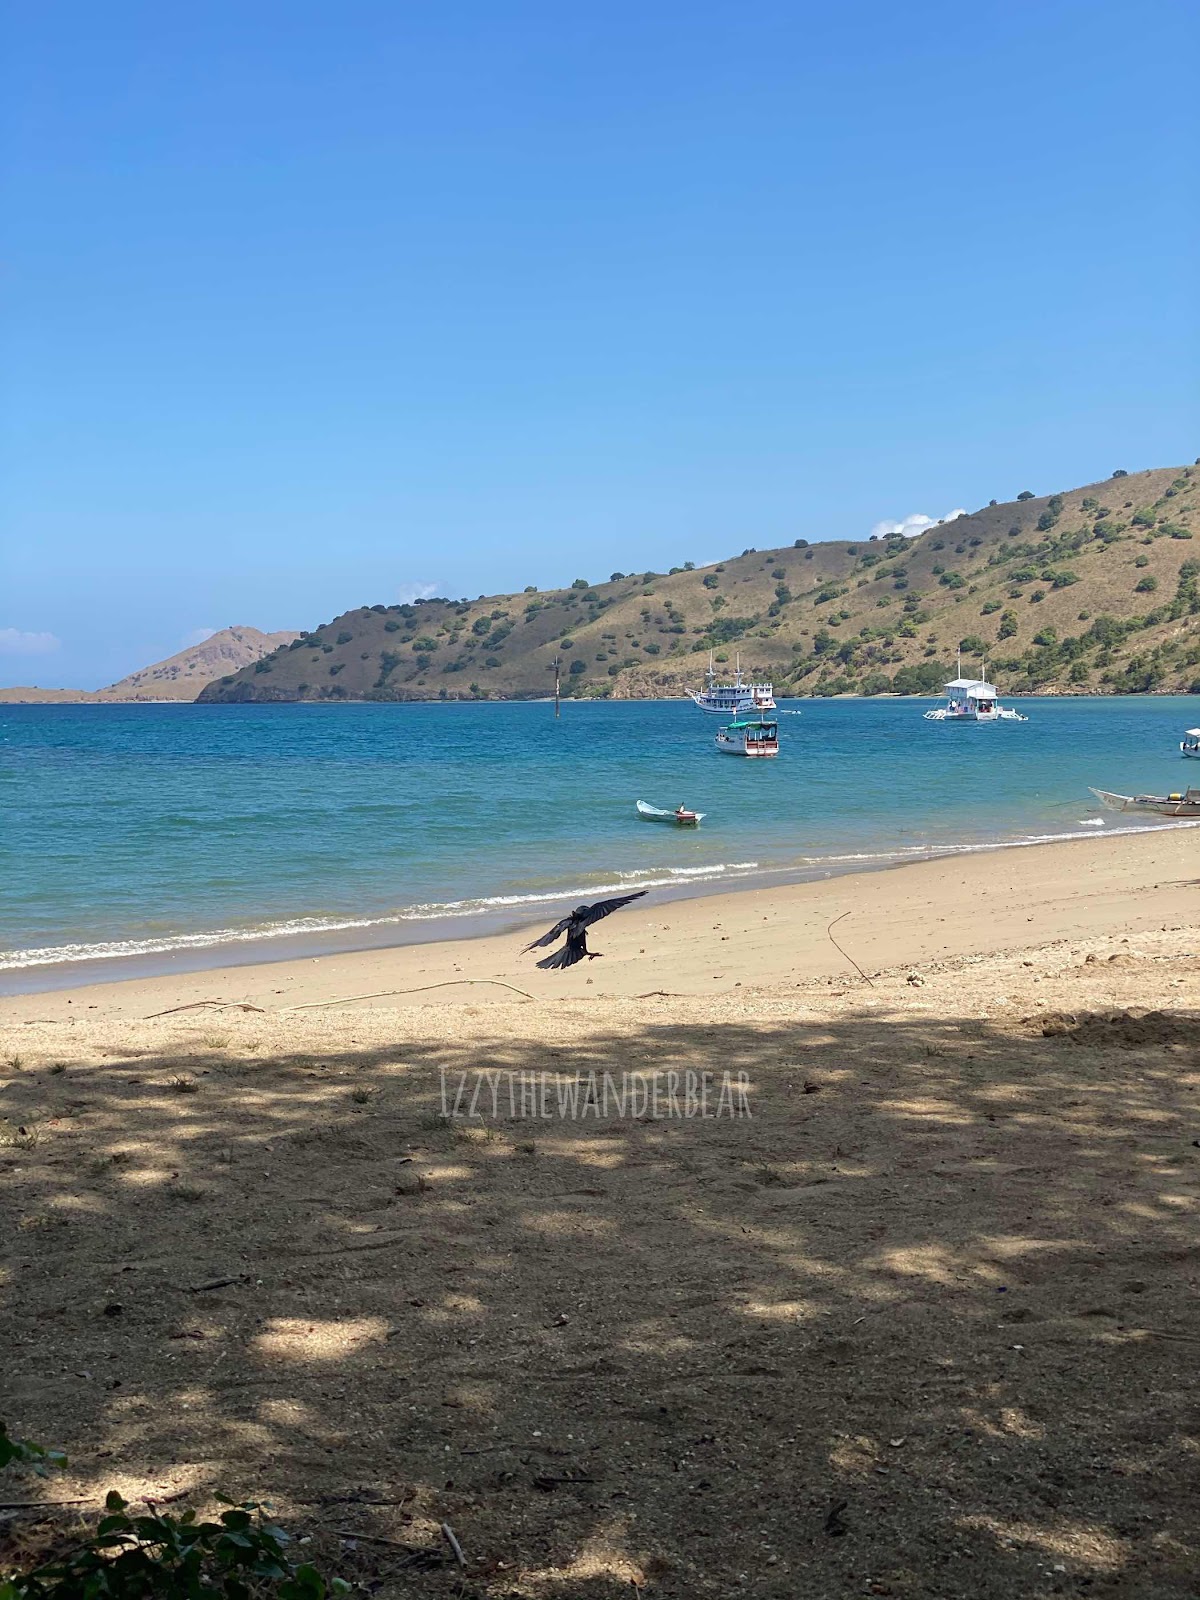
1146, 586
581, 583
577, 667
175, 1558
972, 645
1120, 473
1025, 494
1141, 561
1143, 518
20, 1452
1008, 625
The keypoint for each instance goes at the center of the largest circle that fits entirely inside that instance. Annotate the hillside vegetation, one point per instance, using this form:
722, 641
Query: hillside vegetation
1094, 590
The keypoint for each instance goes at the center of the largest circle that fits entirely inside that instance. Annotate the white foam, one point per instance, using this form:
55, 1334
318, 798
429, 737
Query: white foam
647, 878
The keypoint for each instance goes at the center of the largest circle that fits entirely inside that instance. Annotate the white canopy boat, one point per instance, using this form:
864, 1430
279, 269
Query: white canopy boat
972, 700
681, 816
732, 699
749, 736
1189, 745
1185, 804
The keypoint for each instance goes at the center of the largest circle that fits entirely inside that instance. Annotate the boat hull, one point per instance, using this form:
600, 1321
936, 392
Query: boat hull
1153, 805
681, 819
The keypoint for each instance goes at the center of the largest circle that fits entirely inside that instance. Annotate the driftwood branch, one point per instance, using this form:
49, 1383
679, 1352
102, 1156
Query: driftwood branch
846, 953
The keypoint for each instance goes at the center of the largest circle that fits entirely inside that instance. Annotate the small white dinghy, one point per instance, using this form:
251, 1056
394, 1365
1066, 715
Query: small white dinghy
1189, 745
681, 817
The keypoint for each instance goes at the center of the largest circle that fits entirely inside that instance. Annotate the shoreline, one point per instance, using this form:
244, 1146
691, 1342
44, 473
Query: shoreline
405, 930
954, 907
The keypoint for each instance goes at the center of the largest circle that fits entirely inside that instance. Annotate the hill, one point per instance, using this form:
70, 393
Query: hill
1094, 590
179, 677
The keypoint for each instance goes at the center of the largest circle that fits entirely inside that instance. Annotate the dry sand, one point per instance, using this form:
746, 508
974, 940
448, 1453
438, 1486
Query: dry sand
923, 1324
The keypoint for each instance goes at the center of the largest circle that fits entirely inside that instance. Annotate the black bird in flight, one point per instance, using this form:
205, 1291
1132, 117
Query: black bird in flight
575, 926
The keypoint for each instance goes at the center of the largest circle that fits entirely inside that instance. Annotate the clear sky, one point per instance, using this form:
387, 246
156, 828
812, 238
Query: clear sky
315, 303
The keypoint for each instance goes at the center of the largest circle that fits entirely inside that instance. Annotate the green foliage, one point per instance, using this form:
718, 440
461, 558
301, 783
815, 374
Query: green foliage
20, 1452
991, 605
800, 544
581, 583
925, 678
577, 667
156, 1557
1141, 561
1025, 494
1146, 586
1120, 473
344, 637
876, 683
953, 580
972, 645
711, 581
391, 626
425, 646
1143, 518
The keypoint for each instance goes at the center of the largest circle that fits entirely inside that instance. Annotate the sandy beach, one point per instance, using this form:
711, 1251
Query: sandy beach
917, 1315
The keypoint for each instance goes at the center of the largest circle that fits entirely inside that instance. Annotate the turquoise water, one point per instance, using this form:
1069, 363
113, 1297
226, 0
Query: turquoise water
166, 830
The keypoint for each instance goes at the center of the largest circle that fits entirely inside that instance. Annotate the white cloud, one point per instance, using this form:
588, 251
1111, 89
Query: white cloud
15, 642
198, 636
914, 524
408, 592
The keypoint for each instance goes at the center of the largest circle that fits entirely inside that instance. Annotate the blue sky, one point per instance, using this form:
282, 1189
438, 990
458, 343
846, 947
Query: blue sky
309, 305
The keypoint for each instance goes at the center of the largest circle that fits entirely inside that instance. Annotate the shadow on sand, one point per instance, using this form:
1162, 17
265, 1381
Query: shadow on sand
917, 1326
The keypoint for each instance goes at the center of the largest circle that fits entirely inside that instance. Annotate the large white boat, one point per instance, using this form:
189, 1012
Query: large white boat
749, 736
972, 700
732, 699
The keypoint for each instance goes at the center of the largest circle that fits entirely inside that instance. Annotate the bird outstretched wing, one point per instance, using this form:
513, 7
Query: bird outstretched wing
602, 907
548, 938
574, 950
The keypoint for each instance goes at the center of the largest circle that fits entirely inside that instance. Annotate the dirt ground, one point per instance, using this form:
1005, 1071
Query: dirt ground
923, 1324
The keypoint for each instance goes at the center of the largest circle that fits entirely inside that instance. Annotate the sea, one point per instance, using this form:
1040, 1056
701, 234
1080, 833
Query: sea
147, 838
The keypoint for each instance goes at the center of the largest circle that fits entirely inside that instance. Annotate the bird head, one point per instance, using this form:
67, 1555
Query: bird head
581, 911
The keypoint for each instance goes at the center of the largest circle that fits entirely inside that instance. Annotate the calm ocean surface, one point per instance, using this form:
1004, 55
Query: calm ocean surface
172, 834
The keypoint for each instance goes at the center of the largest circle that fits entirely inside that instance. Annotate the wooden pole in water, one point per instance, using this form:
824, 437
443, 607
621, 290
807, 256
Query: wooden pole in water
557, 712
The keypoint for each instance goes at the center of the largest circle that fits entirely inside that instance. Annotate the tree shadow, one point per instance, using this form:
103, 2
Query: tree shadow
918, 1325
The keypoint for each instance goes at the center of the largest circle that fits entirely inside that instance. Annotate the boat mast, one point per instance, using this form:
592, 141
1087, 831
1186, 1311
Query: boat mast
557, 712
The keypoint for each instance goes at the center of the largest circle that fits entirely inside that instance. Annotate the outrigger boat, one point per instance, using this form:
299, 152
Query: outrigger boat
749, 736
681, 816
1189, 745
1186, 804
972, 700
732, 699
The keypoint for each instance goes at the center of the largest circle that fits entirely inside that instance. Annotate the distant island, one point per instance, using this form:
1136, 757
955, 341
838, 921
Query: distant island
180, 677
1090, 591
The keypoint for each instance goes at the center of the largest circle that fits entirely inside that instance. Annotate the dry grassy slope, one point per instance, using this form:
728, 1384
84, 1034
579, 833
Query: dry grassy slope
835, 617
182, 676
179, 677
